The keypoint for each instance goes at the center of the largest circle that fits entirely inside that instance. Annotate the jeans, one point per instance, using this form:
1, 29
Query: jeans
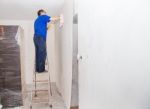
40, 53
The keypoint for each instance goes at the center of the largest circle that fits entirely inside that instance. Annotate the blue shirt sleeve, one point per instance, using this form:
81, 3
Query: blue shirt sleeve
47, 18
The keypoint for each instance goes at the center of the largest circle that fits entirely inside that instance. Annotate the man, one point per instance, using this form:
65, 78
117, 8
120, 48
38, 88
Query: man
40, 33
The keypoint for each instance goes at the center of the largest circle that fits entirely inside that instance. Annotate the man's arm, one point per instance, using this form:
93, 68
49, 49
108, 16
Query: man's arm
55, 18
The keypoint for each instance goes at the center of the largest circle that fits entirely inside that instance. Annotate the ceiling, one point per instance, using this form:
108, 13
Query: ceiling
27, 9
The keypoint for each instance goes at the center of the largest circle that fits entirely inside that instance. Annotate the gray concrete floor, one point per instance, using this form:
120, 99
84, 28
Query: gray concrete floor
56, 101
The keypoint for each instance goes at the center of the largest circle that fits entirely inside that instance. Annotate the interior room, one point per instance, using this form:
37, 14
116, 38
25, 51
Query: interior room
97, 54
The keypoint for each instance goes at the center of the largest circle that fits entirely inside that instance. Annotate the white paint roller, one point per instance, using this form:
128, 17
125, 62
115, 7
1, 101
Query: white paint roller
61, 23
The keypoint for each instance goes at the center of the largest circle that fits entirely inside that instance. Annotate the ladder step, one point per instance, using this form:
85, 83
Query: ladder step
42, 74
41, 77
39, 90
43, 81
37, 100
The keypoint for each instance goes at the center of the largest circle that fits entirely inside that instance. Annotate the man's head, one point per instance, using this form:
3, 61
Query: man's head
41, 12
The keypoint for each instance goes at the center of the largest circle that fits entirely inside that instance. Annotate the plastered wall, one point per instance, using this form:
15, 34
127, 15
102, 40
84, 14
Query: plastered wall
64, 53
114, 38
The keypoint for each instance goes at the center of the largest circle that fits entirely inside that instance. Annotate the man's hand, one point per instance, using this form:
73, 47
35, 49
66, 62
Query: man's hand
55, 18
58, 18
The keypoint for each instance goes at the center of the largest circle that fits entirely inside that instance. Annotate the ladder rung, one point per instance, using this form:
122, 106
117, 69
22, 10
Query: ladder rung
37, 90
41, 99
40, 81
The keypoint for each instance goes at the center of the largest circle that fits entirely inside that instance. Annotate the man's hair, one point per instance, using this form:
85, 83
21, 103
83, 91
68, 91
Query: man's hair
40, 11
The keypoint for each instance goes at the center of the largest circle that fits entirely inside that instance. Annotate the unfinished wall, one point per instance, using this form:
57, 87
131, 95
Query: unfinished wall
64, 48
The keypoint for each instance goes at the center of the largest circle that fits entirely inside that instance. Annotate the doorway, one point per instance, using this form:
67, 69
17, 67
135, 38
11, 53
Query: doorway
75, 88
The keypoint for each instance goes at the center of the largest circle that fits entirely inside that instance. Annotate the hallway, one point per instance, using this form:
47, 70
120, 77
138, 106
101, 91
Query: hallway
24, 15
10, 77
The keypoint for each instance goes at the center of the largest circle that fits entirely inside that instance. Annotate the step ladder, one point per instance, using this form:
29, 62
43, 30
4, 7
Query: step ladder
41, 87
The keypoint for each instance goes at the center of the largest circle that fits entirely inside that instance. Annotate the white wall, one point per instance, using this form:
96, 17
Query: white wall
51, 52
64, 48
29, 47
75, 6
116, 38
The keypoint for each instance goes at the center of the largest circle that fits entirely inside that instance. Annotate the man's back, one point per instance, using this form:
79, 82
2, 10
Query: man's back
40, 26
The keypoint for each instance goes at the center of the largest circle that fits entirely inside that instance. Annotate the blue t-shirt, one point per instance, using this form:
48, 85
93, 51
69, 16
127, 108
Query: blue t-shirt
40, 26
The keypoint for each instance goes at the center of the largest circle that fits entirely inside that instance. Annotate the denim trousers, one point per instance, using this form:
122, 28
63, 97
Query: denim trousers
40, 53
